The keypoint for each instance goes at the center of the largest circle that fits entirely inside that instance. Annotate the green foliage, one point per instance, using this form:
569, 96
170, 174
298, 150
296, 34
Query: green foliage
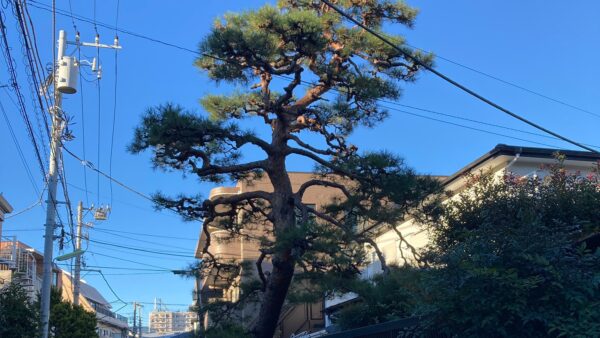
507, 261
309, 79
18, 316
227, 330
68, 320
384, 298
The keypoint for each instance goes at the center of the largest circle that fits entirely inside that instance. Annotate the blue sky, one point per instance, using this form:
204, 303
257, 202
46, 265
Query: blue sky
548, 47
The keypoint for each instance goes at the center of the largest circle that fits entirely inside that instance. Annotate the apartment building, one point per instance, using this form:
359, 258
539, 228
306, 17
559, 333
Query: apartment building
165, 322
294, 318
20, 263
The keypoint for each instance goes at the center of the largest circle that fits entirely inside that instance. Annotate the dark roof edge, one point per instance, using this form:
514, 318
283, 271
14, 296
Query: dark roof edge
503, 149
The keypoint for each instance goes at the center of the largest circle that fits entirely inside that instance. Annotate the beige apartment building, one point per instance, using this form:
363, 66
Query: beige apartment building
162, 321
294, 318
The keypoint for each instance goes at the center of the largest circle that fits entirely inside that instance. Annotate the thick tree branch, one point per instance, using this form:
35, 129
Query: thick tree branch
259, 269
235, 168
322, 183
307, 146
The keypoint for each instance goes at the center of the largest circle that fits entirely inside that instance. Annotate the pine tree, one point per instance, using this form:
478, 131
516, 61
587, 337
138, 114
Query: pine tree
309, 79
68, 320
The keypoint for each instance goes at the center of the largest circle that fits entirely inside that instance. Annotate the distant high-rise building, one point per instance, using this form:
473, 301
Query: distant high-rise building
165, 321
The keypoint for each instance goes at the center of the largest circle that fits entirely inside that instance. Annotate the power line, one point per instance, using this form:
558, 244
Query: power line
39, 5
174, 254
85, 180
38, 202
145, 255
99, 132
19, 151
454, 83
121, 268
99, 172
21, 103
112, 135
143, 234
467, 127
512, 84
468, 119
137, 192
435, 72
127, 260
119, 234
34, 80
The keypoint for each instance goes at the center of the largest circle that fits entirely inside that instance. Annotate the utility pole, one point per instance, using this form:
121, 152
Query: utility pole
134, 319
140, 319
63, 82
77, 270
56, 134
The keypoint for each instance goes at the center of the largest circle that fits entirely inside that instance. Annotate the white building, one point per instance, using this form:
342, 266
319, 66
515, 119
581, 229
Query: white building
503, 159
162, 321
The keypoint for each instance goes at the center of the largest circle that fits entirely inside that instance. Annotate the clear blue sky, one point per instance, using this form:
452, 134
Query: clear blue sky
549, 47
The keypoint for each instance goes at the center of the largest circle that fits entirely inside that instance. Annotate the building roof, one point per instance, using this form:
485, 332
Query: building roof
5, 207
507, 150
90, 292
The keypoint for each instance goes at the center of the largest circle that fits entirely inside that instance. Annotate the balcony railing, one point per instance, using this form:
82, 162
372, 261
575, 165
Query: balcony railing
101, 309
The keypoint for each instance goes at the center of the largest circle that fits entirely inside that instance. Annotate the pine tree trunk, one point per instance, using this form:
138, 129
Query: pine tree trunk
274, 296
283, 217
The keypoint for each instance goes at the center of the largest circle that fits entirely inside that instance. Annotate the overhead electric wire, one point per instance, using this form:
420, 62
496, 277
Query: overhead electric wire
112, 136
38, 202
99, 172
512, 84
34, 79
19, 151
111, 288
454, 83
85, 181
83, 19
151, 250
21, 103
137, 273
121, 268
142, 234
468, 127
41, 6
120, 235
127, 260
144, 255
174, 254
99, 136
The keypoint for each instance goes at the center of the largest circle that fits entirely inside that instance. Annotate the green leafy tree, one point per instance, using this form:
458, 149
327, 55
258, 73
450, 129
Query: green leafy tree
386, 297
18, 316
511, 260
68, 320
309, 80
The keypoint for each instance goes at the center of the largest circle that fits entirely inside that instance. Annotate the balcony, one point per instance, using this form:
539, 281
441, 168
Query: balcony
224, 247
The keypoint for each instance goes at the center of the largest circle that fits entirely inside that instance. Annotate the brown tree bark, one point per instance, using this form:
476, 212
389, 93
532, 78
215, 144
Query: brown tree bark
283, 218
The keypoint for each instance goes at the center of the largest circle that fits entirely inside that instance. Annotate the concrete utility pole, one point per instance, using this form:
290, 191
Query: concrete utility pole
63, 82
134, 319
56, 134
77, 270
140, 320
